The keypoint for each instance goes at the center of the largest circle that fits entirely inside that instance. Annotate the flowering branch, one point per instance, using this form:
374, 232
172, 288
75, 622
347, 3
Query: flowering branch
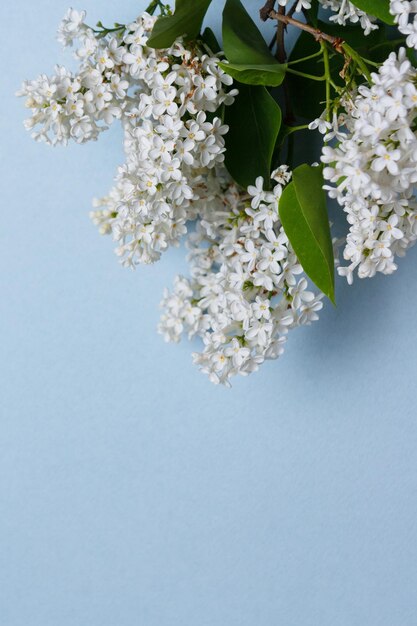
260, 237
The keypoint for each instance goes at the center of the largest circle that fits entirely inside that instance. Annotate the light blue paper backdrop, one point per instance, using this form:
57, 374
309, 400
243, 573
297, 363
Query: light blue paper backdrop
135, 493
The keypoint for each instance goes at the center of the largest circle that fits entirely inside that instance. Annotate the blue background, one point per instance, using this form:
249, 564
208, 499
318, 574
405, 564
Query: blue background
132, 491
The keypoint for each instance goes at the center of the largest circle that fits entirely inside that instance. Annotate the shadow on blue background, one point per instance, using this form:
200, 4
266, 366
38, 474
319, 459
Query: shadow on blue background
132, 491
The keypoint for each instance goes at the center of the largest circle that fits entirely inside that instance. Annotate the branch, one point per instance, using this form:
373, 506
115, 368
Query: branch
336, 42
292, 10
281, 54
266, 10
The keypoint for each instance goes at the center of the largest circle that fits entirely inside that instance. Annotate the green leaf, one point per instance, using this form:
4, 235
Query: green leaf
268, 75
186, 21
377, 8
210, 40
250, 60
303, 213
307, 96
254, 120
381, 51
242, 40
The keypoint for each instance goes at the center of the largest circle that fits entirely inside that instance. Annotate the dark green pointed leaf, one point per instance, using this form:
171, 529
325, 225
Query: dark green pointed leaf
380, 52
303, 213
254, 120
186, 21
210, 40
268, 75
377, 8
250, 60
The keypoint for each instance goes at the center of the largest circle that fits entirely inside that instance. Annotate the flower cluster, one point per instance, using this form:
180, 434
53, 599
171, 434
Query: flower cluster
247, 288
162, 98
78, 106
344, 10
170, 147
405, 15
116, 64
374, 169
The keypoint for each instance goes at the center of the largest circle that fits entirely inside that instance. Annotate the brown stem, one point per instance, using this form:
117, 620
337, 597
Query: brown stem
266, 10
281, 54
318, 35
292, 10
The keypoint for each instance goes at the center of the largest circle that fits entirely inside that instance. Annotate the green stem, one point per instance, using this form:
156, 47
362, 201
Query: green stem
391, 42
102, 31
337, 88
304, 75
310, 56
358, 60
369, 62
294, 129
328, 78
156, 4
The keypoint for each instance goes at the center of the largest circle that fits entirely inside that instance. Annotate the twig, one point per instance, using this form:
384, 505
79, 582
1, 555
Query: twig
336, 42
266, 10
292, 10
281, 54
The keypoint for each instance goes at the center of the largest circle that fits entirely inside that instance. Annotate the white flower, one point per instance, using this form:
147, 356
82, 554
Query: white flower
405, 16
308, 312
301, 4
205, 88
119, 86
164, 101
386, 159
281, 175
261, 308
389, 228
346, 11
237, 353
321, 124
250, 256
71, 27
270, 257
300, 294
135, 60
257, 192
